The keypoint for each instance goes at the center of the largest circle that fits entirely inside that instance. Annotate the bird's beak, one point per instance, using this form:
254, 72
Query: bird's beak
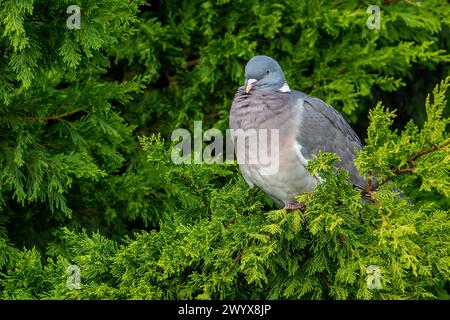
250, 85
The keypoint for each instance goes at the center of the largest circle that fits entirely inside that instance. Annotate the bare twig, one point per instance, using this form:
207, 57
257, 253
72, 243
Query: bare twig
192, 62
55, 117
429, 150
239, 256
324, 279
241, 251
172, 82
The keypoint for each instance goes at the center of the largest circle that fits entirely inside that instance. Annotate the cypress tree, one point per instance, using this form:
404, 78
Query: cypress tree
92, 207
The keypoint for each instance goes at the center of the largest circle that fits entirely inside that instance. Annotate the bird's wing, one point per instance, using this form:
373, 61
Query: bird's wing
324, 129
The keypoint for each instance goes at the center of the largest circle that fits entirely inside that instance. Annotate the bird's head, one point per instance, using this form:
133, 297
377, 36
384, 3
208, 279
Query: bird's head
263, 72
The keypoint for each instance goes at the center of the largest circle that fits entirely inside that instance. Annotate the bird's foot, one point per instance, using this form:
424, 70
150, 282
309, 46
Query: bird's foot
294, 205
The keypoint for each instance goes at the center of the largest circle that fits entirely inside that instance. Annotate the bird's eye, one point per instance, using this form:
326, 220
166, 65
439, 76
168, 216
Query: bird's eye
268, 71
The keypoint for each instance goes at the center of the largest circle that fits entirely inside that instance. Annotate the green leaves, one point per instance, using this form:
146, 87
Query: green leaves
417, 151
13, 18
37, 34
434, 129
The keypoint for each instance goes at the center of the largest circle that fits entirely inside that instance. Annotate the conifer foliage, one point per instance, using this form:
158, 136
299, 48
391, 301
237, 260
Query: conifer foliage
92, 207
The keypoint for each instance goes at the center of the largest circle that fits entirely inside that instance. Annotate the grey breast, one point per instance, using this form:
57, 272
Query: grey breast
260, 109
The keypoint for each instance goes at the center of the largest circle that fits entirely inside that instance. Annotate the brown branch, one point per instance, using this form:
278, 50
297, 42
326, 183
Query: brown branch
241, 251
55, 117
230, 221
239, 256
324, 278
395, 172
172, 82
368, 189
87, 210
192, 62
429, 150
402, 170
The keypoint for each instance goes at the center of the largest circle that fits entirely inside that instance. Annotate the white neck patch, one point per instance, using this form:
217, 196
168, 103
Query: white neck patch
285, 88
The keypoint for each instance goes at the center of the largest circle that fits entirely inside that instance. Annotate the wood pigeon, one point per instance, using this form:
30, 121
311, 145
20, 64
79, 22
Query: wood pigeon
305, 125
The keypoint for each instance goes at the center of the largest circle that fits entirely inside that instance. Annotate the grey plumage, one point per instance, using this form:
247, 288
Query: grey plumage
306, 125
327, 130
